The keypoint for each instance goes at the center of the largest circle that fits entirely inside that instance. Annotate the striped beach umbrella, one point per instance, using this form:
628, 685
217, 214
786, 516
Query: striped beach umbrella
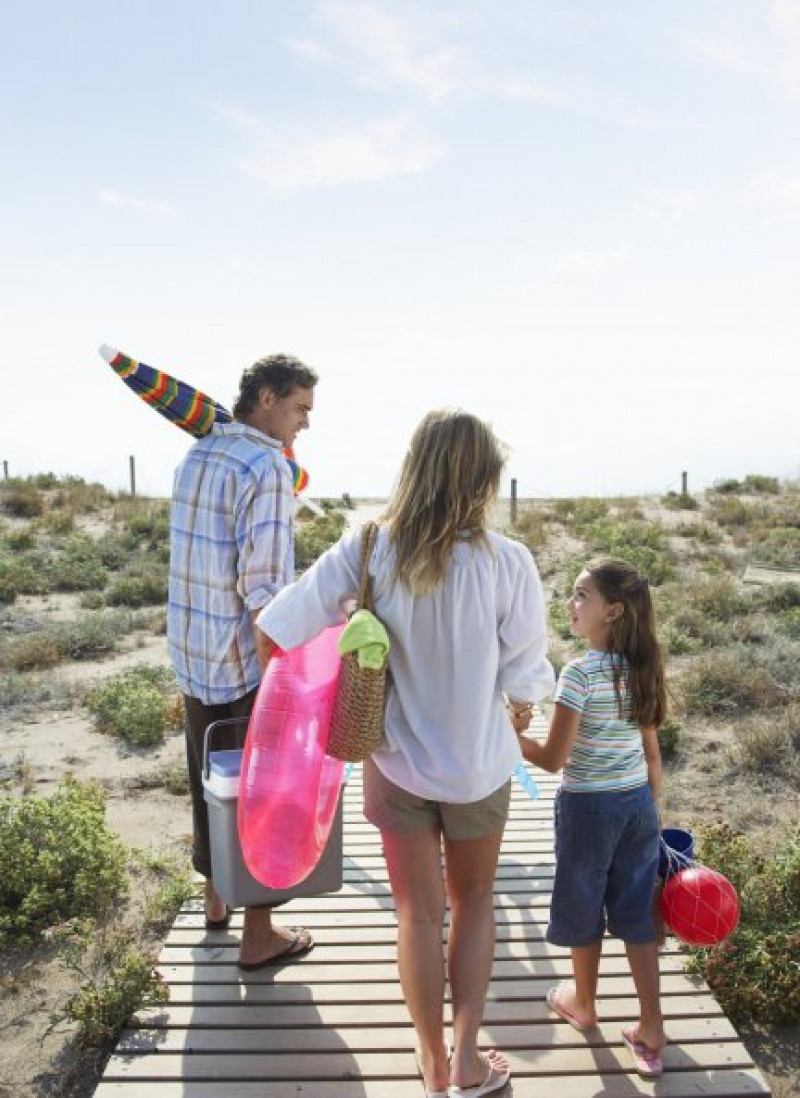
180, 403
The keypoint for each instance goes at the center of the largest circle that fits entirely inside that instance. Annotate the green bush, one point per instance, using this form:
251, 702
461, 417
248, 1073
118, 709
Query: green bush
134, 704
642, 544
78, 567
678, 501
128, 708
142, 589
115, 550
755, 482
92, 600
559, 619
149, 527
314, 537
58, 859
9, 581
754, 974
59, 522
727, 486
118, 980
669, 737
788, 622
703, 532
580, 513
19, 540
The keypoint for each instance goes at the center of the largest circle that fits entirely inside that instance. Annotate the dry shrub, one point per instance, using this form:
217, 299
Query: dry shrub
728, 682
35, 652
531, 528
769, 744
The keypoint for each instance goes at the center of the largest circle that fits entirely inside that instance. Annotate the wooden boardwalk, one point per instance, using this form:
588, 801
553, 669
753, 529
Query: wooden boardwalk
334, 1025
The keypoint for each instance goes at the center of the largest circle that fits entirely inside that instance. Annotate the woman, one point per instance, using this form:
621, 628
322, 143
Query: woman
465, 614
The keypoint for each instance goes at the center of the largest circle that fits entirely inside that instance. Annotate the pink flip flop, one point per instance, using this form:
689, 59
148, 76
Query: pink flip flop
557, 1007
647, 1061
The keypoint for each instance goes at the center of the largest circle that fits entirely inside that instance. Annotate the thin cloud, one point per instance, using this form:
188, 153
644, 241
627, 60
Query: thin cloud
774, 55
666, 206
580, 97
776, 196
288, 160
382, 50
734, 57
785, 19
589, 261
127, 202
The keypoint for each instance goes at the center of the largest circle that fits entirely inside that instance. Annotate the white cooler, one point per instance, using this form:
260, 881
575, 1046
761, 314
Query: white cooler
232, 879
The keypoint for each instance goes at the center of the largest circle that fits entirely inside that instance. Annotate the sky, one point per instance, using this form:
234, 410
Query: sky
578, 220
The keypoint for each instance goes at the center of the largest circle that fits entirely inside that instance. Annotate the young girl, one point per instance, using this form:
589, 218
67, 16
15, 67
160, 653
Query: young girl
609, 705
465, 612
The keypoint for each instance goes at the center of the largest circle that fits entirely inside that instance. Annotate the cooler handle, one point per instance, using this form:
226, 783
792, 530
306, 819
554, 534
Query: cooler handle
211, 728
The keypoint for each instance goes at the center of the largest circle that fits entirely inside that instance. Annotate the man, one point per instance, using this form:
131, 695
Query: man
232, 549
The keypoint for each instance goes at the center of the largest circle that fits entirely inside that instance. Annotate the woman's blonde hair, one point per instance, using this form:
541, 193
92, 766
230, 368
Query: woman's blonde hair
450, 475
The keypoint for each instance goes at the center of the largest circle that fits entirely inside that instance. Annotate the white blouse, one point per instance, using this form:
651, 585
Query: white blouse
479, 634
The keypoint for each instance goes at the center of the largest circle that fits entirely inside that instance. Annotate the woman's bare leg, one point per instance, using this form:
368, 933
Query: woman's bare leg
471, 865
415, 872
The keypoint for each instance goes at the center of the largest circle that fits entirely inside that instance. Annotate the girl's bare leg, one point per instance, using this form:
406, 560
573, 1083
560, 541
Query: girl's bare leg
643, 960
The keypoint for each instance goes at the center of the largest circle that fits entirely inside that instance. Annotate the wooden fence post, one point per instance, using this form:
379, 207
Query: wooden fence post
133, 474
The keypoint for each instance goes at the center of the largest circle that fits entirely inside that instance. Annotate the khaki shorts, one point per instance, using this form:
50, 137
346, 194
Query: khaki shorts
391, 808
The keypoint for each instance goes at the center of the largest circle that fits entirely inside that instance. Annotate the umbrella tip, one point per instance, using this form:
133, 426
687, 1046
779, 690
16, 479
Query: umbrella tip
108, 353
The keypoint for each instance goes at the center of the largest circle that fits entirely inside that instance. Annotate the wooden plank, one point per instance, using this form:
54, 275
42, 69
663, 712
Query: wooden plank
688, 1084
344, 1063
545, 1034
355, 944
297, 992
367, 970
351, 1015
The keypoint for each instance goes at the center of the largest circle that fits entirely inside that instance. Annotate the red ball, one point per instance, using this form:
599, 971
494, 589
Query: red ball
700, 906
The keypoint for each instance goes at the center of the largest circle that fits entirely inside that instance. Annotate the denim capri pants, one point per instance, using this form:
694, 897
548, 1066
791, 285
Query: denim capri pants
606, 848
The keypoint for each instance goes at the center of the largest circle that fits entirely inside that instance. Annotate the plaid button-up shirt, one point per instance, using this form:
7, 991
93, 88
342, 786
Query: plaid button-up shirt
232, 549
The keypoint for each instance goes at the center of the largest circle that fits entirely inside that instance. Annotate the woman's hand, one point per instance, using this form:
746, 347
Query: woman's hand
520, 715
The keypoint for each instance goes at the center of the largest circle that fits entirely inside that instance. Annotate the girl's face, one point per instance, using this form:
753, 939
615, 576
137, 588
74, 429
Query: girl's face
591, 615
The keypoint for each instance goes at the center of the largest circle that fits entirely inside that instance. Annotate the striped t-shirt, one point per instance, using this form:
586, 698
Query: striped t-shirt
608, 752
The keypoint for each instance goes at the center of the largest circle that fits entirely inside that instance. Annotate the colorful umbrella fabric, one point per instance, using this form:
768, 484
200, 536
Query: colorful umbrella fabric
180, 403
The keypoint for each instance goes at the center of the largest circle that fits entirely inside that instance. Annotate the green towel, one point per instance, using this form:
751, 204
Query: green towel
365, 636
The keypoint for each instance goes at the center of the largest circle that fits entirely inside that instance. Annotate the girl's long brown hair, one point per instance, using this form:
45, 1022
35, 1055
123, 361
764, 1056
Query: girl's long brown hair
633, 635
449, 477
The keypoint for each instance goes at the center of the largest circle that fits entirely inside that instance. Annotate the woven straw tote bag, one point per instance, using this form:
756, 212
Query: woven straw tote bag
357, 720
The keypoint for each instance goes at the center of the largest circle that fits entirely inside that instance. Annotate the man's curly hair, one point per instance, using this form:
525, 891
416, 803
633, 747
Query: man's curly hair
280, 373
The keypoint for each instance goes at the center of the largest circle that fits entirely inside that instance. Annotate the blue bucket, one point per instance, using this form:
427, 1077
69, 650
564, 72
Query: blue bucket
677, 851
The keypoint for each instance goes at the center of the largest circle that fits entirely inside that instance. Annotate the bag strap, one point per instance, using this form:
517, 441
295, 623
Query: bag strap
368, 536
